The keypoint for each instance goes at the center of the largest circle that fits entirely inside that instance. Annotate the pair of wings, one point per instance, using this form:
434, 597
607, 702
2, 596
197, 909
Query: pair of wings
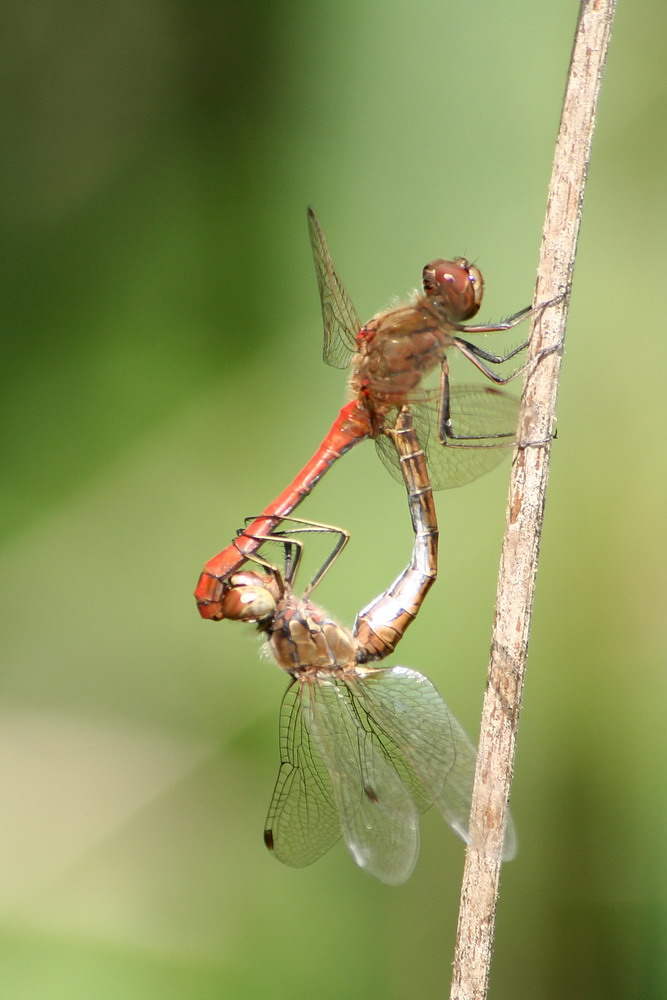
362, 757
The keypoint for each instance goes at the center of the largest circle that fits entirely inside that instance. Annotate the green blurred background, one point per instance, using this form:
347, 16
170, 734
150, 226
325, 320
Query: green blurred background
162, 378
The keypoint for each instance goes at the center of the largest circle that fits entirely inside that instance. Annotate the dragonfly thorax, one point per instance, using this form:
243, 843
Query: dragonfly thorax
304, 640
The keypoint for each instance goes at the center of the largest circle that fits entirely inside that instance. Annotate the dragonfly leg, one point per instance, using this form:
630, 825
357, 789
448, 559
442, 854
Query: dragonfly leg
478, 357
546, 351
494, 359
292, 551
305, 527
447, 435
446, 431
506, 324
510, 322
522, 445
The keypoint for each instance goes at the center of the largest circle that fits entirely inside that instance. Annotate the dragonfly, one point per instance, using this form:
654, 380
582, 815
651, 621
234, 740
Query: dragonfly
364, 749
466, 429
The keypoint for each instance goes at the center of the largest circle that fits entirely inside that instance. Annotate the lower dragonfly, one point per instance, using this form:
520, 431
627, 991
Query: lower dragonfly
364, 749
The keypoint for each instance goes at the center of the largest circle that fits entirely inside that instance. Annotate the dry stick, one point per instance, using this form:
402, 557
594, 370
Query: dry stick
518, 565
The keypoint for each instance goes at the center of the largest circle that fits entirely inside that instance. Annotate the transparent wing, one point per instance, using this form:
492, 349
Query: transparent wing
302, 823
406, 706
341, 323
379, 819
484, 420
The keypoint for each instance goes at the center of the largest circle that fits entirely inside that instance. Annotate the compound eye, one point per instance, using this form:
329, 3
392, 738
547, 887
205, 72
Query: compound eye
248, 603
477, 281
454, 286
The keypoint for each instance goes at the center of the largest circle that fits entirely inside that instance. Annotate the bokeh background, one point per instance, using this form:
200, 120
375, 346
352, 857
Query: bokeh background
162, 378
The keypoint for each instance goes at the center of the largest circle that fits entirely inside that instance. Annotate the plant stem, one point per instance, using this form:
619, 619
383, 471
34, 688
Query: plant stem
518, 563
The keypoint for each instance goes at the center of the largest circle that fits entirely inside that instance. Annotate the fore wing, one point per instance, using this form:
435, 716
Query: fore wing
341, 323
302, 823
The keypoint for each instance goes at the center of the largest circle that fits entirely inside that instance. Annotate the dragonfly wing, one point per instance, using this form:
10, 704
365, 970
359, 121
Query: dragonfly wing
406, 704
302, 823
430, 740
379, 819
341, 323
484, 421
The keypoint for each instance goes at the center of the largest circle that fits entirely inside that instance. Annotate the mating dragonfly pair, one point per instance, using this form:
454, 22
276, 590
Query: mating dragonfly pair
366, 749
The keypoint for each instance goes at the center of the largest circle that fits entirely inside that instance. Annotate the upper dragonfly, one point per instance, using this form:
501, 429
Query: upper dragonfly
364, 749
390, 356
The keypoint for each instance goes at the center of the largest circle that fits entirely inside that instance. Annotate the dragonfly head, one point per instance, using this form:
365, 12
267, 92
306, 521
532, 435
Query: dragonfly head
456, 286
250, 597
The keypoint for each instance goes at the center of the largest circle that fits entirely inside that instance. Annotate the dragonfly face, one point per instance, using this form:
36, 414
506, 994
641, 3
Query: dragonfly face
456, 286
251, 597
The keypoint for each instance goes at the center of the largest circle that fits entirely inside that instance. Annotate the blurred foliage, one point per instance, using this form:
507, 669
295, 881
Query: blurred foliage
161, 378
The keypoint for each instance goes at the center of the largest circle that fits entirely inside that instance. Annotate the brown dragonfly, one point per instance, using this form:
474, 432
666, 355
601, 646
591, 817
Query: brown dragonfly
364, 749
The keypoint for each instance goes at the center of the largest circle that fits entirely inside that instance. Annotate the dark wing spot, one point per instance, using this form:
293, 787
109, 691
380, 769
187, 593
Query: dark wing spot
268, 839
